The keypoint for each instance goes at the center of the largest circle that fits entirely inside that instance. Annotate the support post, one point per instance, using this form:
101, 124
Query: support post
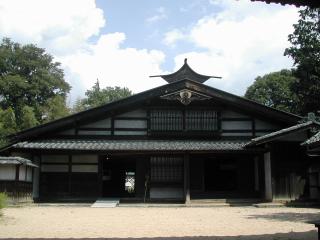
268, 177
187, 178
256, 173
35, 179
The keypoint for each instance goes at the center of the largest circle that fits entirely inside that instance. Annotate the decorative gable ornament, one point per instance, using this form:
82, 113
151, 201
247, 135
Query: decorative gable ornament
185, 96
185, 73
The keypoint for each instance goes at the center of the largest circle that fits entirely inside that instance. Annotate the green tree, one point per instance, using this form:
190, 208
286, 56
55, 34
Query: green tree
7, 124
305, 51
274, 90
55, 108
28, 77
28, 118
97, 96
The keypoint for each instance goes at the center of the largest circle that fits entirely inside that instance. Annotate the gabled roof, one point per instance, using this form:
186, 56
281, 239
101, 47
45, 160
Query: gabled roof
298, 3
275, 135
314, 141
16, 161
140, 98
185, 72
131, 145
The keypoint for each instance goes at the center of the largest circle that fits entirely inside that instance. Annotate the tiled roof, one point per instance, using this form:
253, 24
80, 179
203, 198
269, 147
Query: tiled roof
314, 140
131, 145
16, 161
273, 135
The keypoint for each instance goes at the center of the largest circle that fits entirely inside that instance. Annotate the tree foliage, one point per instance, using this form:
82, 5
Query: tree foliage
274, 90
305, 51
97, 96
32, 88
29, 77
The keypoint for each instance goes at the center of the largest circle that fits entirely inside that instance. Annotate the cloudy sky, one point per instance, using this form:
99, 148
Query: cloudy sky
123, 42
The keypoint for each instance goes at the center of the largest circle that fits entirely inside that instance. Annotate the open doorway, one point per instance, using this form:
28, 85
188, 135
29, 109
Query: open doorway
118, 177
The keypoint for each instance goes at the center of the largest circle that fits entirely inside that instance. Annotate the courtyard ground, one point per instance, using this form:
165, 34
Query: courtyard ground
225, 223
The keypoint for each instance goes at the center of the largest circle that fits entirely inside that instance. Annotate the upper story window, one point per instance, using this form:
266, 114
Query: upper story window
183, 120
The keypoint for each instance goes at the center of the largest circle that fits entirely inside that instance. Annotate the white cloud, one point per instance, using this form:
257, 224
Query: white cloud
114, 65
60, 26
160, 15
64, 29
241, 42
172, 37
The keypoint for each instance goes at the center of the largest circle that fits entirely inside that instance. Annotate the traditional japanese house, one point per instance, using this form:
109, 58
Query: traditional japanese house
183, 141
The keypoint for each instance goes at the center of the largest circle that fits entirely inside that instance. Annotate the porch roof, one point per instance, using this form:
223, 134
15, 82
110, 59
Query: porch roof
314, 140
131, 145
16, 161
277, 134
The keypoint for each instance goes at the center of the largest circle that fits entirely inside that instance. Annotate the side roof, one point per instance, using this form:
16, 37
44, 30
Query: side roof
277, 134
138, 99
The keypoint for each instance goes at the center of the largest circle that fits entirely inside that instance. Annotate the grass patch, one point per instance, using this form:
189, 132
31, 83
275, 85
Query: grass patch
3, 201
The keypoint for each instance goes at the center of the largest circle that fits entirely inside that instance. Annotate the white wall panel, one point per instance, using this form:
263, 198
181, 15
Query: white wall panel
140, 133
85, 168
100, 133
55, 158
22, 172
168, 193
29, 174
54, 168
7, 172
130, 124
84, 158
236, 125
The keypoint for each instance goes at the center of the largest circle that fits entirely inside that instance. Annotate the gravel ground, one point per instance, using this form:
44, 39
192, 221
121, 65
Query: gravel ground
225, 223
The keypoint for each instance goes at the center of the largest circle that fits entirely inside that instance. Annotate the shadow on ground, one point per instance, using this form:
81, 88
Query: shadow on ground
309, 235
288, 216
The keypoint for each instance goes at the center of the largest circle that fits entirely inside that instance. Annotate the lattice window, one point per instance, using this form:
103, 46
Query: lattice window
201, 120
166, 169
166, 120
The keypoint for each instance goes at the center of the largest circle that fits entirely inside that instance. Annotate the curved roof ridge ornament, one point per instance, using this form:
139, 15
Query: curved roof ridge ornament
185, 72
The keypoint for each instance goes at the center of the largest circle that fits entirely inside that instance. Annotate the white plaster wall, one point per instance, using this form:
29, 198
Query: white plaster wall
140, 133
22, 173
236, 125
7, 172
55, 158
130, 124
102, 133
29, 174
84, 158
162, 193
54, 168
85, 168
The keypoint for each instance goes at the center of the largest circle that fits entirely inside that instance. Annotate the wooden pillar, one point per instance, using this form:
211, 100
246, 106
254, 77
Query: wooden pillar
187, 178
35, 179
268, 177
256, 173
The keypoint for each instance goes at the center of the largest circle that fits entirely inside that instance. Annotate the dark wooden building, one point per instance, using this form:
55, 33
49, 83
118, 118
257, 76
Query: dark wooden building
182, 141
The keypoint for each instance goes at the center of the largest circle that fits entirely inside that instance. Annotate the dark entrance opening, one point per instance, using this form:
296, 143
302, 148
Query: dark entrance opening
220, 175
118, 177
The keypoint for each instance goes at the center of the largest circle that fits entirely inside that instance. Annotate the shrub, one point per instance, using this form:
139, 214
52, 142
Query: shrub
3, 200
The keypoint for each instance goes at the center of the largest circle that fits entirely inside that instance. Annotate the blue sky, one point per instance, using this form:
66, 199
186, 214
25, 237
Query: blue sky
123, 42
